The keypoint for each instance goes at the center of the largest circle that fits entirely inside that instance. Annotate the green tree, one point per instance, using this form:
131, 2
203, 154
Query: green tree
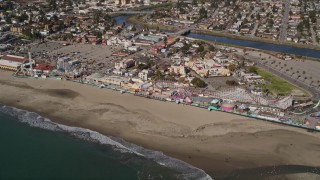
143, 66
231, 83
245, 21
96, 16
165, 40
185, 48
252, 69
203, 13
211, 48
232, 67
200, 49
197, 82
23, 17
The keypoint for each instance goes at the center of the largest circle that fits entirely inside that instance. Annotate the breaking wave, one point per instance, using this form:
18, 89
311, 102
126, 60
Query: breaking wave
35, 120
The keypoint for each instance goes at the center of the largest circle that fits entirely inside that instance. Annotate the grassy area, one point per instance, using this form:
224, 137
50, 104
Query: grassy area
276, 85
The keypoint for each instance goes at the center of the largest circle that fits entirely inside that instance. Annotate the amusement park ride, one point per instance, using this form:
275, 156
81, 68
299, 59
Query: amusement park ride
26, 69
234, 94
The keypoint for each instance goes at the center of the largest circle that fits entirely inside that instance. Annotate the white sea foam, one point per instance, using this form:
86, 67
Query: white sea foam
35, 120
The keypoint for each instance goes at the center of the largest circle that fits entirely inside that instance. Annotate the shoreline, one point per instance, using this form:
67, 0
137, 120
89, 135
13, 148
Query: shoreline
37, 121
216, 142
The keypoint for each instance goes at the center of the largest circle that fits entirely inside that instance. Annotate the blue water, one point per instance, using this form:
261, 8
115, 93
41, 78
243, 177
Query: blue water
259, 45
122, 19
33, 147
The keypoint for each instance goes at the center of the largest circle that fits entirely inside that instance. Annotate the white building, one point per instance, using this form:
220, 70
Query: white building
145, 74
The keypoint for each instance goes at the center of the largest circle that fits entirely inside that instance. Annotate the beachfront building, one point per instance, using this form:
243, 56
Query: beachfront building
145, 74
115, 80
11, 62
125, 63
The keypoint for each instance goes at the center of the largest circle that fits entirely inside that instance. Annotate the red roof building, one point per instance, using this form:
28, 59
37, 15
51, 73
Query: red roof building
45, 68
13, 58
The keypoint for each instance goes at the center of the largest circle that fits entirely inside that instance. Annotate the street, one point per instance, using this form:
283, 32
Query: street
285, 19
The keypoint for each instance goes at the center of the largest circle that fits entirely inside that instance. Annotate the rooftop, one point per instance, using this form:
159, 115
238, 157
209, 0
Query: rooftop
13, 58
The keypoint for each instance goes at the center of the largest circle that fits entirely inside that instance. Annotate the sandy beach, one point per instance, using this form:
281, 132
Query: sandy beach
226, 146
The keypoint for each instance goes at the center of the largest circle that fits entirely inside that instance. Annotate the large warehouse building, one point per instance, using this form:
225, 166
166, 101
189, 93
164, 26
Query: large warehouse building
11, 62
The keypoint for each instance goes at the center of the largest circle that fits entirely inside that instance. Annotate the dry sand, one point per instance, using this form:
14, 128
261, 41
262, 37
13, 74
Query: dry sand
224, 145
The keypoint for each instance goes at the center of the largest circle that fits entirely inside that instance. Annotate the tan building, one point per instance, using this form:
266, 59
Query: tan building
11, 62
124, 2
16, 29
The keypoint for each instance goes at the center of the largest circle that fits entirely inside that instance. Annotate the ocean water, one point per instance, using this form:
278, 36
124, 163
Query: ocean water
33, 147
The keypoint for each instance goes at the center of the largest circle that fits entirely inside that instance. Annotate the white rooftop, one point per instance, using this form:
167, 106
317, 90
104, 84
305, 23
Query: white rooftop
10, 63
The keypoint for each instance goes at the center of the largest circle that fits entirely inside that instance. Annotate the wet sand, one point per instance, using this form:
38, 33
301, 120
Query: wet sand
226, 146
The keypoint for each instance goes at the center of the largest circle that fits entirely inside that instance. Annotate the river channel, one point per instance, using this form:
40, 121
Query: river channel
244, 43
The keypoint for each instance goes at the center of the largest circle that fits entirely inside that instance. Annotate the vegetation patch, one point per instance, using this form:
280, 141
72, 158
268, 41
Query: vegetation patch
276, 85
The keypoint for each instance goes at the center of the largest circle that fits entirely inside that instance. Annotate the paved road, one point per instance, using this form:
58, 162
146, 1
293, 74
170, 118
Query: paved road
285, 19
313, 35
254, 29
315, 92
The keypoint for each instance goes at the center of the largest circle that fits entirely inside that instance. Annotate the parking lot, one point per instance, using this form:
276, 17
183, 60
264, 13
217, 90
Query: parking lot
50, 51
